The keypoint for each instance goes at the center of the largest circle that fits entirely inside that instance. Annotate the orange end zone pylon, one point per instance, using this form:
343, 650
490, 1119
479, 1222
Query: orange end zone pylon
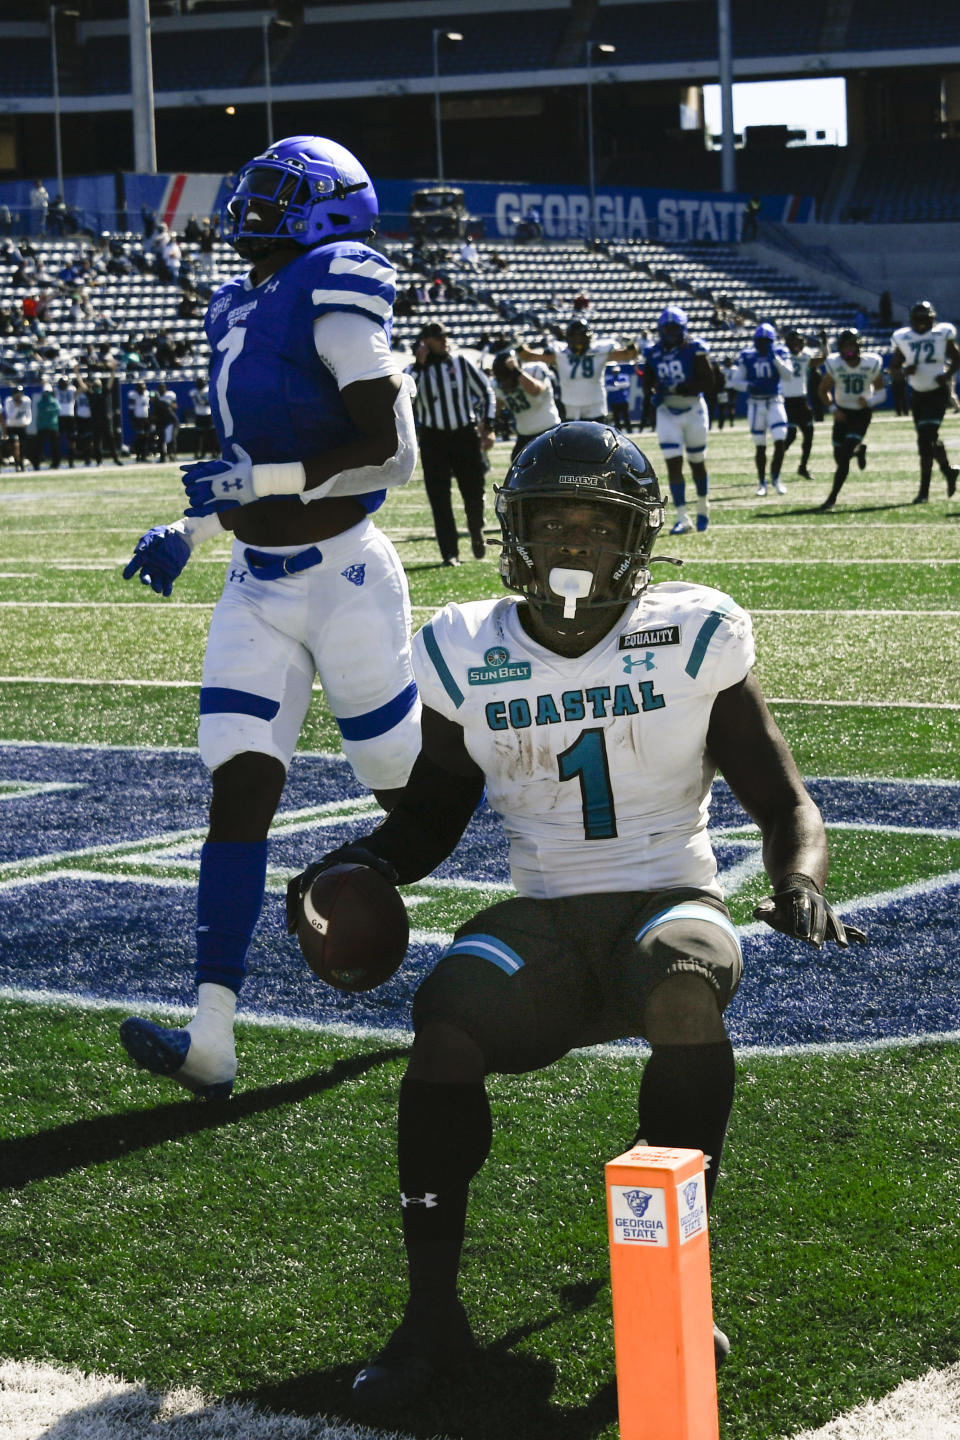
662, 1304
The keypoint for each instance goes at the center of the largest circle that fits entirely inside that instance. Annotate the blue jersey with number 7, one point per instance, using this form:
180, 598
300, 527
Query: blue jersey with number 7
270, 391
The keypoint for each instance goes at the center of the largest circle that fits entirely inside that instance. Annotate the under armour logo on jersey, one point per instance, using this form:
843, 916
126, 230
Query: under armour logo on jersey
638, 662
428, 1201
355, 574
270, 286
239, 575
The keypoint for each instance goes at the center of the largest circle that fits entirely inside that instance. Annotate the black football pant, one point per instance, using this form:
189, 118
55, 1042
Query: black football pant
447, 455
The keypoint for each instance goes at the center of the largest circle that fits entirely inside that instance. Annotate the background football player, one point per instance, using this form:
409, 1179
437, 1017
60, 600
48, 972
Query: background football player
794, 387
678, 383
853, 382
527, 392
926, 352
579, 364
760, 369
315, 422
598, 754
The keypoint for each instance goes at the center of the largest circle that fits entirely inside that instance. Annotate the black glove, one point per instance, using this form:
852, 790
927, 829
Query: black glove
798, 909
346, 855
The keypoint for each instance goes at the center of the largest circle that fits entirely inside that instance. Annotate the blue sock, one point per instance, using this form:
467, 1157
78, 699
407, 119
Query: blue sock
702, 485
679, 493
229, 899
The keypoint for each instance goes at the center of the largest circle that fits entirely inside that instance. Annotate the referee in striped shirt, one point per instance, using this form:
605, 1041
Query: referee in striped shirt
454, 408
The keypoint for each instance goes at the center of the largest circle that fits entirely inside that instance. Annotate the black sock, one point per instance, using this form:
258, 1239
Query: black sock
686, 1095
443, 1138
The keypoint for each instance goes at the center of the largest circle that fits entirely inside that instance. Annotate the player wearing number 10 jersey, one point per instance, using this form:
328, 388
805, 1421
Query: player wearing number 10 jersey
315, 423
596, 711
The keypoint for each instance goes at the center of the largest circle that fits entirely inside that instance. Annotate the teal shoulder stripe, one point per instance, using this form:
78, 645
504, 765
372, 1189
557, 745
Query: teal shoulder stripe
707, 631
442, 669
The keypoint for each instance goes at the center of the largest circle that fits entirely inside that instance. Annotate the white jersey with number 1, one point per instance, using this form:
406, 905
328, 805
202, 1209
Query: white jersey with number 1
597, 765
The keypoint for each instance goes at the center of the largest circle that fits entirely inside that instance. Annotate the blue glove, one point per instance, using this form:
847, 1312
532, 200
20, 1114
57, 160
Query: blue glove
215, 485
159, 556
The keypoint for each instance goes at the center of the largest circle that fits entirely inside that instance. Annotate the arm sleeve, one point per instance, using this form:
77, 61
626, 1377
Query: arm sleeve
427, 823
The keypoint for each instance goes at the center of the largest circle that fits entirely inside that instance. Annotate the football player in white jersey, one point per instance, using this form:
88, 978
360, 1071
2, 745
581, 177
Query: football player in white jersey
794, 389
596, 712
926, 352
853, 383
527, 392
580, 364
315, 424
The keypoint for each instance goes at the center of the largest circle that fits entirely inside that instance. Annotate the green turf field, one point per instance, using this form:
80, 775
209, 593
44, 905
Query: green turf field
253, 1250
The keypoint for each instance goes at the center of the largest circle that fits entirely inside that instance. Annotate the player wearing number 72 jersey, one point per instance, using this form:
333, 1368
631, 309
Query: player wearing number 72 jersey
315, 423
596, 711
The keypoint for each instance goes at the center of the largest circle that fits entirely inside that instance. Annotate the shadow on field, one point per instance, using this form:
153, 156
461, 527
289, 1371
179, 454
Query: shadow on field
843, 508
497, 1395
49, 1153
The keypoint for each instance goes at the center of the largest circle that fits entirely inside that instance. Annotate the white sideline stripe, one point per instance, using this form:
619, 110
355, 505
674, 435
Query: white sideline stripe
38, 1400
924, 1409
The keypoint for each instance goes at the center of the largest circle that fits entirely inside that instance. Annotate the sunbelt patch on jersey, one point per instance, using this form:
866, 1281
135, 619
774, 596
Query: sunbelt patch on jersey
497, 667
643, 639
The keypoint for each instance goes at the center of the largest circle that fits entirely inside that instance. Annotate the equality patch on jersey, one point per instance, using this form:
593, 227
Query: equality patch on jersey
644, 639
497, 666
100, 852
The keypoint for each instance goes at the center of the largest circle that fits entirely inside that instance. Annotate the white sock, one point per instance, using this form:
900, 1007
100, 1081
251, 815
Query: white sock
212, 1056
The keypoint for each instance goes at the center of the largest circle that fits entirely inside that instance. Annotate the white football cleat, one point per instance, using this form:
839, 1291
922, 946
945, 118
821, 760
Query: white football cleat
683, 526
779, 486
762, 488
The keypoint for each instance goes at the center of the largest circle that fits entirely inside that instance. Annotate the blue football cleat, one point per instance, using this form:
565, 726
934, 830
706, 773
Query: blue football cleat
702, 522
163, 1052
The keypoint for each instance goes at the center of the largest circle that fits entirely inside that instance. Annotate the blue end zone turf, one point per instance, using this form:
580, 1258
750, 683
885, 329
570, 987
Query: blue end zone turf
130, 939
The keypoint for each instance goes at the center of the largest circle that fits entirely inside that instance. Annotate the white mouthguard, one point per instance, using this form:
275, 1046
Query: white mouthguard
572, 585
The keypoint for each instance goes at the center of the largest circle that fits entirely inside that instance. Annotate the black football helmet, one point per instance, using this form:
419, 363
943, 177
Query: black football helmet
580, 460
923, 317
848, 343
578, 336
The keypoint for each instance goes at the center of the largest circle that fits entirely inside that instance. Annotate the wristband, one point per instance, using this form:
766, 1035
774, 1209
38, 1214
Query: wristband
196, 529
286, 477
796, 880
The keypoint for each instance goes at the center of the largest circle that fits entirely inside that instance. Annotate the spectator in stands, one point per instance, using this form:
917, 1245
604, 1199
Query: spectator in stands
6, 226
48, 427
57, 216
455, 409
39, 205
165, 418
531, 226
149, 222
192, 230
470, 255
206, 241
164, 351
18, 415
66, 397
749, 226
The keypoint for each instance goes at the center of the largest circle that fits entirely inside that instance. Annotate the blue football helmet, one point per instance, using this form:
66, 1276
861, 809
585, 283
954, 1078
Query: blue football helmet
304, 190
765, 332
672, 326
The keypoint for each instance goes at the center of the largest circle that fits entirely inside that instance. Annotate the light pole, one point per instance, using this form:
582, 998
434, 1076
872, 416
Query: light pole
453, 37
593, 49
55, 10
266, 21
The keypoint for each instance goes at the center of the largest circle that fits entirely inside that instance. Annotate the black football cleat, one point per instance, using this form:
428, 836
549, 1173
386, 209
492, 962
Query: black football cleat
721, 1346
413, 1358
861, 454
952, 482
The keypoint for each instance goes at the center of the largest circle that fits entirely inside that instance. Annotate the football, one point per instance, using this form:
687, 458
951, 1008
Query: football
353, 928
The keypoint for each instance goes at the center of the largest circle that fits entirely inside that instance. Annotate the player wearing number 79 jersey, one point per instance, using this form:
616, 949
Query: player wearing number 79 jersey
315, 424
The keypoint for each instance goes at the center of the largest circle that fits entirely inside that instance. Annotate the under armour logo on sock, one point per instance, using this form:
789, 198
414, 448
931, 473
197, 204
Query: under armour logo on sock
429, 1201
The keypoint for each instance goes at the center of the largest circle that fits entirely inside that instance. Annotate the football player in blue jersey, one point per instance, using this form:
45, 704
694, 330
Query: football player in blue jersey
678, 381
315, 423
759, 371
